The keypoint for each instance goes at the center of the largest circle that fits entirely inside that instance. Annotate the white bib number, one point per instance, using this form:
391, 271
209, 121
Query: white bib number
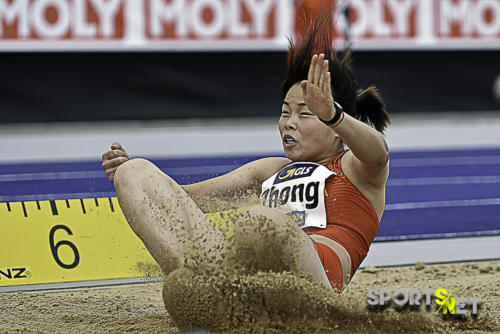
299, 191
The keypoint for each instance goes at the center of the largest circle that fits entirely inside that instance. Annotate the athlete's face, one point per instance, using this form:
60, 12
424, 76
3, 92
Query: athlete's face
304, 136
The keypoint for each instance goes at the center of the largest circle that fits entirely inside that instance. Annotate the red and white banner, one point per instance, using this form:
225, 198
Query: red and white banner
420, 24
144, 24
242, 24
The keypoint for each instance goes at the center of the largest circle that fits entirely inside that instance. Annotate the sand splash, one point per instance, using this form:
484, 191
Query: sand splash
285, 302
259, 290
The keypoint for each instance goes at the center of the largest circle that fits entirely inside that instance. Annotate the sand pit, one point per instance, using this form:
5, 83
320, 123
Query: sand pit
140, 308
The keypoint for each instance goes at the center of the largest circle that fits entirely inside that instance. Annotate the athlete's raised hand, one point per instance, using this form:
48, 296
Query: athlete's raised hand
113, 158
317, 89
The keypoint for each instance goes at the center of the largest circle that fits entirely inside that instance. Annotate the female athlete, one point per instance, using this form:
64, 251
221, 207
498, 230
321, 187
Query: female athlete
324, 201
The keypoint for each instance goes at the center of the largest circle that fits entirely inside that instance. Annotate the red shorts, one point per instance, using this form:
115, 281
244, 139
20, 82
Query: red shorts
335, 257
332, 265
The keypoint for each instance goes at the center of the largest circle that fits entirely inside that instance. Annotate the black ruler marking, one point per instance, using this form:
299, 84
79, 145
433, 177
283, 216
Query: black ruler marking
111, 204
53, 206
54, 209
24, 209
83, 206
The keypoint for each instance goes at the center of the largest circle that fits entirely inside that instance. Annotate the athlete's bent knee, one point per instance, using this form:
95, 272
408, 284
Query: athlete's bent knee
132, 171
272, 216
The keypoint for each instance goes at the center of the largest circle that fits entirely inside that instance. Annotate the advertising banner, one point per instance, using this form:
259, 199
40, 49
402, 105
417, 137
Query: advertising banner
144, 24
212, 25
419, 24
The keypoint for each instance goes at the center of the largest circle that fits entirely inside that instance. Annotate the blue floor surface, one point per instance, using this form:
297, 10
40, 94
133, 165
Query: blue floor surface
430, 194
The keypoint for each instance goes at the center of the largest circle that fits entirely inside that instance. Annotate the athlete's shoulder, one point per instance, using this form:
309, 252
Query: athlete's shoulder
352, 168
266, 167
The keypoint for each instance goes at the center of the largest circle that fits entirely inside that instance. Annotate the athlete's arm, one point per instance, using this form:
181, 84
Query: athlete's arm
239, 182
235, 184
370, 154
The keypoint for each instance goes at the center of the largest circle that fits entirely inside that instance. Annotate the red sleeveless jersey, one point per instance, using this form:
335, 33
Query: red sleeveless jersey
351, 219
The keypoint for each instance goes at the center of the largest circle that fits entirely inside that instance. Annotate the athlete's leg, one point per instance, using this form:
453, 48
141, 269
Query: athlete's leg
277, 243
166, 219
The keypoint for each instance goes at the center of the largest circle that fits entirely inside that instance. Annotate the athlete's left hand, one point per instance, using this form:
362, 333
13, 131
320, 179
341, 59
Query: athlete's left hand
317, 90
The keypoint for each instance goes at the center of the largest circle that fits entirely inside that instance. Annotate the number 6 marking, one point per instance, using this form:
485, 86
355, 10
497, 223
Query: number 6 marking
54, 248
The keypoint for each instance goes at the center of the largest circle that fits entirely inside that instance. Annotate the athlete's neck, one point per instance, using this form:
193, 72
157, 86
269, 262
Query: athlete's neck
327, 159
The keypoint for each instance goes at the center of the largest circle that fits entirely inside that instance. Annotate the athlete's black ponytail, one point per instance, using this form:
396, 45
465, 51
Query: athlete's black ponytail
365, 105
370, 108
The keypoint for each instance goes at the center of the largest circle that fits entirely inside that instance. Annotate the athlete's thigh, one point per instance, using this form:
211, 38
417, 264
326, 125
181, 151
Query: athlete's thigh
184, 218
260, 222
161, 213
278, 241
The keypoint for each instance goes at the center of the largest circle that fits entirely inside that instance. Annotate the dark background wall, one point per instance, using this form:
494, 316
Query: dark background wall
51, 87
